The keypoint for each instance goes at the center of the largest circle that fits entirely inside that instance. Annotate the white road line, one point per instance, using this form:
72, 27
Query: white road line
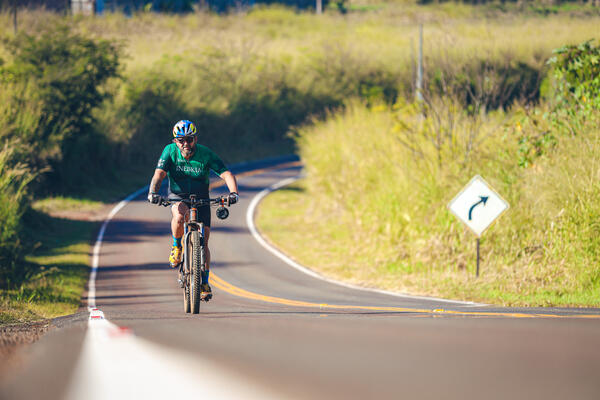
116, 364
250, 222
99, 239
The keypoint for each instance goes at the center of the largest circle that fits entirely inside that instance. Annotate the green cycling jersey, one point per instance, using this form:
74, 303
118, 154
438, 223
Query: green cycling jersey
189, 176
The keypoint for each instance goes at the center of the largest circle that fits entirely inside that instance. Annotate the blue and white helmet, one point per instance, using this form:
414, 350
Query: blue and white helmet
184, 128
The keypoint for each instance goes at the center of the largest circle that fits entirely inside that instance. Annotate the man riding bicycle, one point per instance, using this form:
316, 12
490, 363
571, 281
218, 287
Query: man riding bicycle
188, 164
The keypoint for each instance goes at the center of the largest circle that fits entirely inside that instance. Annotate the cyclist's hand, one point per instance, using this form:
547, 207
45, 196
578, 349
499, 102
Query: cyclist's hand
233, 198
153, 198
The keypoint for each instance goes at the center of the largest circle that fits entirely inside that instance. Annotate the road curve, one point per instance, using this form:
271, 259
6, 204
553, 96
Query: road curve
275, 331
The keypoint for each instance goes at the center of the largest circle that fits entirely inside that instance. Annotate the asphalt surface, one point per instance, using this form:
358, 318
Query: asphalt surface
281, 329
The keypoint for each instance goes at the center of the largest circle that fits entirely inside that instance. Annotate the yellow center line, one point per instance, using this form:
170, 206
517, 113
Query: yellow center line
236, 291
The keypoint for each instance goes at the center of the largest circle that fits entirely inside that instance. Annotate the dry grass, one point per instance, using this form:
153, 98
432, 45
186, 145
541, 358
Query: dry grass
383, 208
386, 35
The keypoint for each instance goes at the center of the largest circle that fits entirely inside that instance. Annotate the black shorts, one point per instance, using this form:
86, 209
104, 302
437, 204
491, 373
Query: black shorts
203, 211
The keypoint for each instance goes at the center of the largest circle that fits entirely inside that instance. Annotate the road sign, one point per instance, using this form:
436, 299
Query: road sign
478, 205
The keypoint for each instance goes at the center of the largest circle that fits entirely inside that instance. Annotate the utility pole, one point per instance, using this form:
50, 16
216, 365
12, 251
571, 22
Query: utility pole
319, 6
14, 13
419, 84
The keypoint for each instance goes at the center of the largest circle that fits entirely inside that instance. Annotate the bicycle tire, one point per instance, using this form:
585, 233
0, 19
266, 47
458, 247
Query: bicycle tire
195, 271
187, 307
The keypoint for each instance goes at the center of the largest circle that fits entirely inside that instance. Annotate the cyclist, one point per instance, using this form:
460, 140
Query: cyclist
188, 164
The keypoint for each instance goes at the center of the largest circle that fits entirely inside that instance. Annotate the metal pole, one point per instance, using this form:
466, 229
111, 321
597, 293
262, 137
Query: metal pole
420, 66
477, 273
319, 6
413, 66
15, 16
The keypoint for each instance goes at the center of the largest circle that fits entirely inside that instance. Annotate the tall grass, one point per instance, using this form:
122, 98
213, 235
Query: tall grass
247, 79
385, 177
260, 73
19, 120
14, 201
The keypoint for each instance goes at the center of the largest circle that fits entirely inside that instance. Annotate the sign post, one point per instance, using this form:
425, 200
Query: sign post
477, 206
477, 272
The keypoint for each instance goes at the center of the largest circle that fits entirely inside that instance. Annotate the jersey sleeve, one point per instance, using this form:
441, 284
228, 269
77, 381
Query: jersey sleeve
216, 164
164, 162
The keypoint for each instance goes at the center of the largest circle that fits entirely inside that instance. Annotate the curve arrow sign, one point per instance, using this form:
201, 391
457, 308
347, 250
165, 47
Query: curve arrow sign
472, 199
483, 199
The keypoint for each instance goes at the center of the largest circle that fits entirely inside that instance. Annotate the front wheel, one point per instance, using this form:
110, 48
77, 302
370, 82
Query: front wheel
196, 271
184, 279
186, 296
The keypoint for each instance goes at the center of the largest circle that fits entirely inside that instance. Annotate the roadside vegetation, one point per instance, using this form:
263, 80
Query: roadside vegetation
56, 271
379, 178
86, 104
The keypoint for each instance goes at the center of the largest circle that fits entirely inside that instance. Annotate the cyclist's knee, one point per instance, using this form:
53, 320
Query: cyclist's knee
179, 212
179, 219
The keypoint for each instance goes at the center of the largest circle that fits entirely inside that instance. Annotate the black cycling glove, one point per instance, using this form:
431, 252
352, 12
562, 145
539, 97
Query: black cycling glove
233, 198
153, 198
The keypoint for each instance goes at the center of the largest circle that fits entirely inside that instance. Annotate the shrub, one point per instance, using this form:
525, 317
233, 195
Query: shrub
576, 73
573, 102
64, 73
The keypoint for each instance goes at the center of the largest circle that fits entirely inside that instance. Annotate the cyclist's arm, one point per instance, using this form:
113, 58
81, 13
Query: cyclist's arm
157, 179
229, 179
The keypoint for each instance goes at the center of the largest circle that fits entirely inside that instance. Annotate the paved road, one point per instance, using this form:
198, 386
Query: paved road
267, 326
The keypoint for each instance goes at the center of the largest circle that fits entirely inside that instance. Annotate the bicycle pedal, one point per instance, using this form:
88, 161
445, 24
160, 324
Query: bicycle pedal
181, 284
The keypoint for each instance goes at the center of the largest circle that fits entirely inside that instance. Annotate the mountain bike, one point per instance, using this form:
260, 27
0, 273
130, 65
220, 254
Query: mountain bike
193, 262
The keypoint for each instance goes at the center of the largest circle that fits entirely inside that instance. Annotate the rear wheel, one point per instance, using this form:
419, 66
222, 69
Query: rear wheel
195, 271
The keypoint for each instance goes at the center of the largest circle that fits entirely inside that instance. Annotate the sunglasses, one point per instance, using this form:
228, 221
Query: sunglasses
184, 140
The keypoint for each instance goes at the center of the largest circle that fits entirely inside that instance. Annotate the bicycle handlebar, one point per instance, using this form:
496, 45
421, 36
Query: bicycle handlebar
221, 200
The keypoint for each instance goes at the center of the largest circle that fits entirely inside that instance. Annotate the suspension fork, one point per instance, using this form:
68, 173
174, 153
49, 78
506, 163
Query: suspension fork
189, 227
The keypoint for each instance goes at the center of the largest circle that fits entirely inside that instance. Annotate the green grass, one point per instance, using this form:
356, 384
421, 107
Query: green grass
65, 203
57, 271
339, 257
59, 267
373, 208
